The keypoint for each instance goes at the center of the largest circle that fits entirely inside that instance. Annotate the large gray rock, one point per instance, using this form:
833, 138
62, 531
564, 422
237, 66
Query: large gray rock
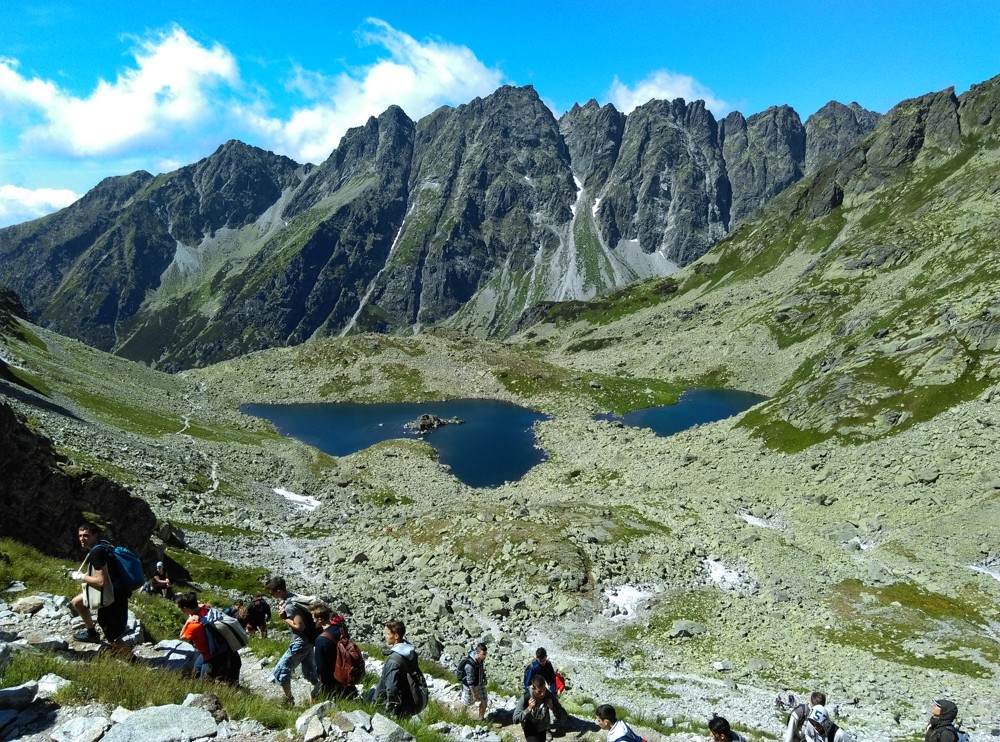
318, 711
682, 628
385, 729
19, 697
163, 724
83, 729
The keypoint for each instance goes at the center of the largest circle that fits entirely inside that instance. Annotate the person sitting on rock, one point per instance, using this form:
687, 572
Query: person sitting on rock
796, 719
99, 580
393, 687
534, 710
819, 727
159, 582
474, 679
941, 726
617, 729
218, 660
720, 730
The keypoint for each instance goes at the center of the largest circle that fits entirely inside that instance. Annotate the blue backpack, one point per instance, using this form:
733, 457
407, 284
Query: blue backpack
130, 573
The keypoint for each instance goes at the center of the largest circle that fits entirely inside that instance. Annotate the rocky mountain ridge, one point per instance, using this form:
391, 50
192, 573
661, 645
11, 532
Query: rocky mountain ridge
467, 217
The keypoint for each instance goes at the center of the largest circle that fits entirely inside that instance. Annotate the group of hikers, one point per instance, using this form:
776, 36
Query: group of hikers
333, 665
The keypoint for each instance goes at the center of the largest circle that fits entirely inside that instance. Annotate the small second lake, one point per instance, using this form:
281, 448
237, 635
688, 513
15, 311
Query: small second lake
695, 407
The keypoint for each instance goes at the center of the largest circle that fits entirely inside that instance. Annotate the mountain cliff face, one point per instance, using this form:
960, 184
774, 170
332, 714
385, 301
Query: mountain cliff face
862, 299
44, 503
466, 218
833, 130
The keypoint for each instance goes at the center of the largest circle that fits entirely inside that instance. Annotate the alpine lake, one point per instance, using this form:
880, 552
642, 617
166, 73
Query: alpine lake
494, 443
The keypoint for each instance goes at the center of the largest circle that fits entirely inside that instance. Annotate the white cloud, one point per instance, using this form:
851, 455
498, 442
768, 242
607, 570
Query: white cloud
21, 204
664, 85
417, 76
168, 89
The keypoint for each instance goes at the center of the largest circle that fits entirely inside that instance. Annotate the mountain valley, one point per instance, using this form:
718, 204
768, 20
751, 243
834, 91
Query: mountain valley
841, 535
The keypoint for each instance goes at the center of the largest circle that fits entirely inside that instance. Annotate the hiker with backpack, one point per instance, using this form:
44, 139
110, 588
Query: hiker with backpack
819, 727
218, 660
339, 662
105, 588
402, 686
718, 727
617, 729
258, 616
471, 673
797, 717
534, 710
294, 611
542, 667
943, 724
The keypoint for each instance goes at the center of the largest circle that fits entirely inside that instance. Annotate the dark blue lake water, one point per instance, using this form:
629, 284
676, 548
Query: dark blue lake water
494, 445
695, 406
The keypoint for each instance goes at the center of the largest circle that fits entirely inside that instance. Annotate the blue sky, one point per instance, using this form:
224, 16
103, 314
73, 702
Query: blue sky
90, 90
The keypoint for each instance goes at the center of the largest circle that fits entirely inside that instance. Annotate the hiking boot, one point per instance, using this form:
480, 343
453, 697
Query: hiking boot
87, 635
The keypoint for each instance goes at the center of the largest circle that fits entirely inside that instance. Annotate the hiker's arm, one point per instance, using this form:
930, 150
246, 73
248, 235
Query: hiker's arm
97, 579
790, 731
297, 622
392, 696
325, 664
521, 710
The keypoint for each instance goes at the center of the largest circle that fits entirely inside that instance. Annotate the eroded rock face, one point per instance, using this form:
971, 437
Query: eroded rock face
43, 503
833, 130
764, 155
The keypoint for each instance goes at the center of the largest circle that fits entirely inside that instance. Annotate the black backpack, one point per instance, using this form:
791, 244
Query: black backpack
460, 670
416, 684
418, 688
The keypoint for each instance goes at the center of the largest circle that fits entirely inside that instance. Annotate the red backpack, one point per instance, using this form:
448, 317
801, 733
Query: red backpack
349, 667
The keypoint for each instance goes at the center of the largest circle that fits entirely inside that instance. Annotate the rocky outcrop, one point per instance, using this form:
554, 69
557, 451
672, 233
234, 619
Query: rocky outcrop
593, 136
668, 187
833, 130
44, 500
764, 154
489, 180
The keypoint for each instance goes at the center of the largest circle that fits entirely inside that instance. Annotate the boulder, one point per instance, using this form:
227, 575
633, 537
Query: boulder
82, 729
171, 723
386, 730
210, 703
313, 712
682, 629
19, 697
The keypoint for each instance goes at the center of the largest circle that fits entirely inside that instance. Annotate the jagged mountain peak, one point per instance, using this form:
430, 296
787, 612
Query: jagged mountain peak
467, 217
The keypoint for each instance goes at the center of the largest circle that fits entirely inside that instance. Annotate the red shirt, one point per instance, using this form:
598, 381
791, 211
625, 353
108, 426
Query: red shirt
194, 631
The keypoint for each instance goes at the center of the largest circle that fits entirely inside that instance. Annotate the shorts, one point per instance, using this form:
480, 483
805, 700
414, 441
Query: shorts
467, 695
